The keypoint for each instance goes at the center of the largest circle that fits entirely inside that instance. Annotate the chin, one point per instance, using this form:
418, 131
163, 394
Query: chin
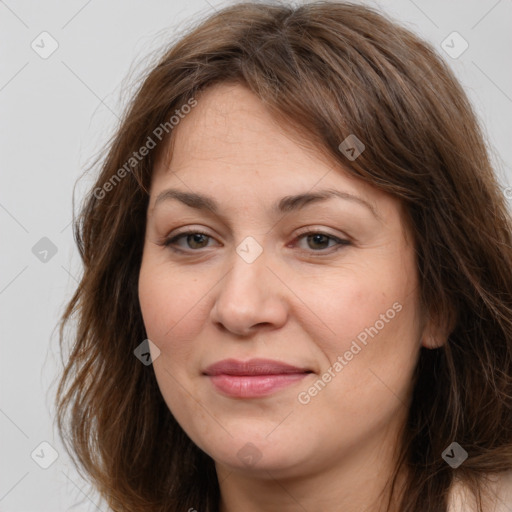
260, 456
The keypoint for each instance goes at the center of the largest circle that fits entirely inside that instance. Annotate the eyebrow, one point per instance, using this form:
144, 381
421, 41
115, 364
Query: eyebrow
286, 204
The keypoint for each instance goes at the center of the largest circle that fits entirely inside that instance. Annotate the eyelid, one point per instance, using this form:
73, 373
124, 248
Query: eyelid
321, 231
302, 231
341, 242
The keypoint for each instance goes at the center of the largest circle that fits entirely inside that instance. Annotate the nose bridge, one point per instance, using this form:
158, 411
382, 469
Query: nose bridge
243, 284
246, 295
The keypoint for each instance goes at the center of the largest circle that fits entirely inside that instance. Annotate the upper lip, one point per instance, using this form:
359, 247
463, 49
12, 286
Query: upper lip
252, 367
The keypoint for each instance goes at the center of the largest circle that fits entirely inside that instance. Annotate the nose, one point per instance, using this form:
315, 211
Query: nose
249, 298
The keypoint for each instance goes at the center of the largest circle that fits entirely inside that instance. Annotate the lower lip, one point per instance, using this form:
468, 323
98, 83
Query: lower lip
253, 386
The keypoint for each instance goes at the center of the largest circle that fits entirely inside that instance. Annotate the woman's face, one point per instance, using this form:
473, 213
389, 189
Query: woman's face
326, 285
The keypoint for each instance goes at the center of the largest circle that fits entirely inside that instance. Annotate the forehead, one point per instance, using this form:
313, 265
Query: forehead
231, 125
231, 142
230, 130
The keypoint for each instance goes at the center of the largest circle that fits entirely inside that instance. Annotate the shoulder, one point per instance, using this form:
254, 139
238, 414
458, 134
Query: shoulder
497, 497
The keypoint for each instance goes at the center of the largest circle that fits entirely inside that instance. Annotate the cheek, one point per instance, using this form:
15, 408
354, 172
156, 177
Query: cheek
171, 302
343, 305
173, 309
368, 314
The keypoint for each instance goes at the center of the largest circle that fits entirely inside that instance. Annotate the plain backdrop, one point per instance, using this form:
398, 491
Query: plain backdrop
58, 110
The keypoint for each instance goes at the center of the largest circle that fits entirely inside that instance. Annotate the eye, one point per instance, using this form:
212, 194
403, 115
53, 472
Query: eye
319, 241
193, 239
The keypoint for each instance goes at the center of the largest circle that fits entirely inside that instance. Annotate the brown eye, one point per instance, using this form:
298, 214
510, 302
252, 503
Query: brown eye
318, 241
194, 240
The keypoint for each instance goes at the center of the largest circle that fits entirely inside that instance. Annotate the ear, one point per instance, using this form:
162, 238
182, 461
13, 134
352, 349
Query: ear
437, 328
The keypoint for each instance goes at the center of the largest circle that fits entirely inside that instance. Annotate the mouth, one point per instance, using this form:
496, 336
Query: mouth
254, 378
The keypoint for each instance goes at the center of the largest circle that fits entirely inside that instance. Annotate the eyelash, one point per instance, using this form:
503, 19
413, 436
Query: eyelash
340, 242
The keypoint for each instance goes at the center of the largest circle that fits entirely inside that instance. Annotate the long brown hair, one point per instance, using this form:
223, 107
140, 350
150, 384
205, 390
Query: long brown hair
330, 70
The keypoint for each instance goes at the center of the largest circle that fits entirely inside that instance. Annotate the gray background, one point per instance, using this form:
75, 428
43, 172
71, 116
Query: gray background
56, 113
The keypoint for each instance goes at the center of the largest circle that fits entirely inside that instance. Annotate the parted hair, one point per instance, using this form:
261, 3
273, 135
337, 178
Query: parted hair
329, 70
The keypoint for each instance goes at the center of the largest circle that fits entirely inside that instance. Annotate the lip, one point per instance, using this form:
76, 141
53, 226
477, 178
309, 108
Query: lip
253, 378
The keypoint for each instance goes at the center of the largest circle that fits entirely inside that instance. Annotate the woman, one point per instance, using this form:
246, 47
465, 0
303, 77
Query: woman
297, 290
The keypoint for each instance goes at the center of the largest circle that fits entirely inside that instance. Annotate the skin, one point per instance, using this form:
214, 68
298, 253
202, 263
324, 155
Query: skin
301, 302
